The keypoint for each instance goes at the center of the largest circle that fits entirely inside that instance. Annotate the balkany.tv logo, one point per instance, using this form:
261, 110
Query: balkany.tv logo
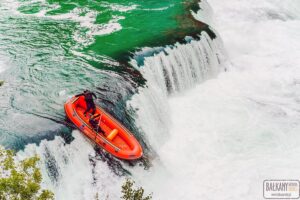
281, 189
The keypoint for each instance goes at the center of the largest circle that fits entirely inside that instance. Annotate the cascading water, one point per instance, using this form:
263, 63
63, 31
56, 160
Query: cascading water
91, 175
170, 71
152, 110
218, 139
231, 133
180, 67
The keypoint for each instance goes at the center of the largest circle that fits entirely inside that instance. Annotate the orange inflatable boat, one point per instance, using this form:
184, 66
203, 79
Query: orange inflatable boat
114, 137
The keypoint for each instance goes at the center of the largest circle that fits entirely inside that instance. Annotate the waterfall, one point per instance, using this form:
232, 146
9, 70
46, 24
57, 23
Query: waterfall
179, 67
73, 171
229, 134
171, 71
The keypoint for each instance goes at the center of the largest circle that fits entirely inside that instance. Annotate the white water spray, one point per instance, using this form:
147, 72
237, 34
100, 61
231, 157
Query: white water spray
180, 67
231, 133
72, 171
171, 71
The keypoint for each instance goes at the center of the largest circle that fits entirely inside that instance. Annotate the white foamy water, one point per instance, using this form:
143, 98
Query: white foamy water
180, 67
2, 67
72, 171
230, 133
3, 64
171, 71
205, 14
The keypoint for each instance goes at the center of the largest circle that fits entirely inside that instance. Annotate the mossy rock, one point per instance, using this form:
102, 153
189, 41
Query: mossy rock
1, 83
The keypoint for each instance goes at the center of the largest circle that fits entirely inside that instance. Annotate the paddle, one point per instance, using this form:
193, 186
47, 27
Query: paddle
99, 123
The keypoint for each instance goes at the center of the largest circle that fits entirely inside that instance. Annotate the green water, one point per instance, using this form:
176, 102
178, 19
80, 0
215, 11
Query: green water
54, 49
144, 23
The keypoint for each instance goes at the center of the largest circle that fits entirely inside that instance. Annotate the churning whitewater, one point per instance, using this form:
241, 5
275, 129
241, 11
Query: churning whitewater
218, 120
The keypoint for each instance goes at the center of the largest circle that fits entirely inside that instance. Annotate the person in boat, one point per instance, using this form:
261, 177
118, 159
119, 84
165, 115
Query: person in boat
88, 97
95, 122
